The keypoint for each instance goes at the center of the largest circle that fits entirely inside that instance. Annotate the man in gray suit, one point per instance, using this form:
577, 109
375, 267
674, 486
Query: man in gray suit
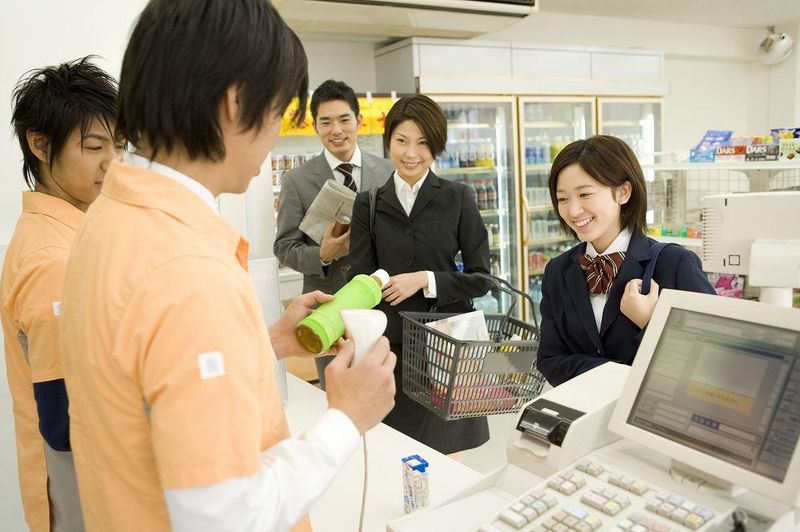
334, 108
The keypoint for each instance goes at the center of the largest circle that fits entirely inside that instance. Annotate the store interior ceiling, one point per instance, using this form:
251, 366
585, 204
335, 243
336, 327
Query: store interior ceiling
383, 23
735, 13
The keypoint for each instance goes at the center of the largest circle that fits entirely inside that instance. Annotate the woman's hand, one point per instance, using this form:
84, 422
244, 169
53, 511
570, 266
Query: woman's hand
637, 307
403, 286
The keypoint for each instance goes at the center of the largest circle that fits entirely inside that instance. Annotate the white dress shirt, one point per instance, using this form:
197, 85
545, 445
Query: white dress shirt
599, 300
408, 196
355, 160
294, 472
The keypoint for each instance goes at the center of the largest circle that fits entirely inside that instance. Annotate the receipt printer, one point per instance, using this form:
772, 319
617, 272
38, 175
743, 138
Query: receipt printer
567, 422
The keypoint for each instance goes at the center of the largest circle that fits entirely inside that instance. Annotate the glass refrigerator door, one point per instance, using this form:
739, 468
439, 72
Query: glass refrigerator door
637, 121
480, 153
547, 125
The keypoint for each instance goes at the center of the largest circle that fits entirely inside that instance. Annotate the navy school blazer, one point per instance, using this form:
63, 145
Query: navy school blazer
570, 343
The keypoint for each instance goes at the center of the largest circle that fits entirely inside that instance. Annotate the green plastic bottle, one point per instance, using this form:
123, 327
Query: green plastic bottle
320, 329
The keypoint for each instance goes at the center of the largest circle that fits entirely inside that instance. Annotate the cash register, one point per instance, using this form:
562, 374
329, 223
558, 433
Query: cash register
701, 433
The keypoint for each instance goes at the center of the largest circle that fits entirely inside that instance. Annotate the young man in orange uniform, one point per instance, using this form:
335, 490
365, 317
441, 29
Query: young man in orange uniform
176, 419
64, 118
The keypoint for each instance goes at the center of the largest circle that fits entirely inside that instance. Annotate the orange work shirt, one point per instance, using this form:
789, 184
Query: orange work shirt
167, 358
30, 296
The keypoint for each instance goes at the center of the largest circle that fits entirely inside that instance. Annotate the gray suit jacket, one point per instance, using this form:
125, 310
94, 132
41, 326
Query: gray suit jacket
295, 249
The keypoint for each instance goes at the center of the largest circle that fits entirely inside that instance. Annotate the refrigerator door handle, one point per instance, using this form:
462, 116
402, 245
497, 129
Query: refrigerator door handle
526, 214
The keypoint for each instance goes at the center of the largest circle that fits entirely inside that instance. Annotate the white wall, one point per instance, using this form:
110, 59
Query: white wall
715, 80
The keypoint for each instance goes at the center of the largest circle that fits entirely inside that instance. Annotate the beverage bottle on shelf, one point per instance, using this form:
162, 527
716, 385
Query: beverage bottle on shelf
480, 155
495, 266
491, 195
472, 156
544, 150
489, 151
481, 188
530, 154
498, 239
555, 147
462, 157
490, 234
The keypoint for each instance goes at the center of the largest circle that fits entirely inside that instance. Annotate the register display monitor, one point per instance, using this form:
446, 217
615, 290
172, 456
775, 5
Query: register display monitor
715, 385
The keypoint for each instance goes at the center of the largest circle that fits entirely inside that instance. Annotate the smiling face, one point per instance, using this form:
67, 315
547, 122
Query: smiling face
409, 152
337, 126
77, 173
590, 208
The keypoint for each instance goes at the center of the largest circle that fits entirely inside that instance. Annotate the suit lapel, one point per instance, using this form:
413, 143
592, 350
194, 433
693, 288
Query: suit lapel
576, 285
426, 193
389, 196
369, 178
637, 253
322, 172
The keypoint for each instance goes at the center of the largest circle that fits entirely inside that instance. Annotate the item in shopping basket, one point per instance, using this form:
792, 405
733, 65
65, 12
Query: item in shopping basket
416, 488
482, 397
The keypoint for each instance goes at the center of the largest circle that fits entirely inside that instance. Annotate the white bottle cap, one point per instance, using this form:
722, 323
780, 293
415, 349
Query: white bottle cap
382, 275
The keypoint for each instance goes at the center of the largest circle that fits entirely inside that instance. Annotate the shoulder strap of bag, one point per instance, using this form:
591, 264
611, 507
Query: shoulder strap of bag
373, 200
655, 251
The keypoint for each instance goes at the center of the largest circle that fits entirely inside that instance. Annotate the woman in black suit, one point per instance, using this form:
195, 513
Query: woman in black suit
421, 223
592, 307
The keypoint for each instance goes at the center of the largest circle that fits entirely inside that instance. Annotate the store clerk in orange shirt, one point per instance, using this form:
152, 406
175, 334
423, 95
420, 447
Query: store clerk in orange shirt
64, 119
176, 417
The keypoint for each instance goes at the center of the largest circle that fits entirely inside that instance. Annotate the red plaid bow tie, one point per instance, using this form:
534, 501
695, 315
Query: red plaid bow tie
601, 270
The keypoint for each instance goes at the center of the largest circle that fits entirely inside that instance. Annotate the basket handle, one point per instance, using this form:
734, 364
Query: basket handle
505, 286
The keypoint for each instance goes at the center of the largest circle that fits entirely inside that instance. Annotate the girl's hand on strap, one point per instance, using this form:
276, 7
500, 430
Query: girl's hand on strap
637, 307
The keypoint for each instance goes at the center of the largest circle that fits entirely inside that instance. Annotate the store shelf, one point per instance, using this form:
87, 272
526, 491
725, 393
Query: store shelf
549, 124
550, 240
467, 125
620, 123
545, 207
468, 170
733, 165
493, 212
542, 167
683, 241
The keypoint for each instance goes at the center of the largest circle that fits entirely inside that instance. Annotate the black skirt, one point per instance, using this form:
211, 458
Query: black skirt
416, 421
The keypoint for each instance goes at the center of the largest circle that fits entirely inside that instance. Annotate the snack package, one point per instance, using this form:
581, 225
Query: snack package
731, 153
781, 133
790, 150
762, 152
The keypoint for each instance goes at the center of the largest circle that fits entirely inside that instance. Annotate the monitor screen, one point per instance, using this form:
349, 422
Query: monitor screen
725, 387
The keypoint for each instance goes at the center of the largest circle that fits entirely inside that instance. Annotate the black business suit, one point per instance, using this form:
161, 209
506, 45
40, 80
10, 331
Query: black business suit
570, 343
443, 221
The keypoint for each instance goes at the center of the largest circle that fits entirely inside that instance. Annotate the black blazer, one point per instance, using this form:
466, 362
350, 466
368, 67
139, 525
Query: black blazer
444, 220
570, 343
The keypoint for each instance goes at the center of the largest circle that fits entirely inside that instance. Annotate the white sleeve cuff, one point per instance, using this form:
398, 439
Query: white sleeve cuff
334, 422
430, 292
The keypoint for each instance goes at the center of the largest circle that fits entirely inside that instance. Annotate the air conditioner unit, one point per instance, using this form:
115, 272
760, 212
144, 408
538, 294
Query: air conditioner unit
404, 18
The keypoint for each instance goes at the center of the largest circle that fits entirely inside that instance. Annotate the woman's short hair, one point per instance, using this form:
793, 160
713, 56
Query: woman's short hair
611, 162
424, 112
53, 101
182, 57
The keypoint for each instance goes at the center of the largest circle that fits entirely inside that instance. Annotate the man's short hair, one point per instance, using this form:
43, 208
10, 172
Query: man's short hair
182, 57
331, 90
53, 101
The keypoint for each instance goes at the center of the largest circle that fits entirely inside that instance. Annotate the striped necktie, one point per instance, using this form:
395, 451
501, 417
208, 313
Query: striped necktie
601, 270
347, 170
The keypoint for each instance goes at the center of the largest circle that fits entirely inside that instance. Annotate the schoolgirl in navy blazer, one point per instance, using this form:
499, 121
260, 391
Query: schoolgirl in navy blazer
598, 189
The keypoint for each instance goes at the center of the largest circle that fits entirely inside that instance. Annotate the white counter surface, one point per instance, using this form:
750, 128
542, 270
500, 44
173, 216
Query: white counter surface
338, 510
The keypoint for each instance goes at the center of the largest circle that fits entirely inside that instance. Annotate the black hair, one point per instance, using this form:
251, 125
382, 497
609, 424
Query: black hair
424, 112
333, 90
53, 101
611, 162
182, 57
